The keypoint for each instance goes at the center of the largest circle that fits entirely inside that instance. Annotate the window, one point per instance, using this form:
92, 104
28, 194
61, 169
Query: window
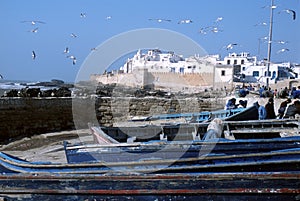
235, 61
255, 74
242, 62
268, 73
223, 73
181, 70
244, 68
228, 62
172, 70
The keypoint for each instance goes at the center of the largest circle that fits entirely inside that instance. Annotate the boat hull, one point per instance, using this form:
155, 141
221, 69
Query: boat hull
214, 186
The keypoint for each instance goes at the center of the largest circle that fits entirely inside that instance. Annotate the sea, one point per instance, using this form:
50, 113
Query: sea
7, 85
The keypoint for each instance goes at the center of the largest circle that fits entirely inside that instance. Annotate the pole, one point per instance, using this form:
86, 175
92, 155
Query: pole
270, 42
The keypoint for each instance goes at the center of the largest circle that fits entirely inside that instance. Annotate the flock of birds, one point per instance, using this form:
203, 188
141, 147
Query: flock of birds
213, 28
66, 51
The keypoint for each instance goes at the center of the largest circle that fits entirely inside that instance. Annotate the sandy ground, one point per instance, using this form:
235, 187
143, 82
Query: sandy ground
46, 147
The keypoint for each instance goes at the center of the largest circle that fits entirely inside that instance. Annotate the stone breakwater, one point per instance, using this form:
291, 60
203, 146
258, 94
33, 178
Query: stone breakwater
24, 117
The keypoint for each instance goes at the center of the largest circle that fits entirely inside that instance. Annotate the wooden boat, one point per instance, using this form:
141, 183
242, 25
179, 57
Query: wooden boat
277, 160
165, 150
267, 175
254, 129
238, 114
197, 186
111, 150
246, 169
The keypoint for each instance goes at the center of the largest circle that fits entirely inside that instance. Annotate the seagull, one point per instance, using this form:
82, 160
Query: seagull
203, 30
33, 55
219, 19
261, 24
273, 7
66, 51
83, 15
282, 50
73, 59
33, 22
108, 18
264, 38
1, 76
34, 30
281, 42
289, 11
215, 30
160, 20
73, 35
186, 21
230, 46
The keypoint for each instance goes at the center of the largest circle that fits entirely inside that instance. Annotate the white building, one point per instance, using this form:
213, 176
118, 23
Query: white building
246, 68
169, 70
167, 62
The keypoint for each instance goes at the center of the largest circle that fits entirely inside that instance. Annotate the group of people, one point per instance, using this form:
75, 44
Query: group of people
231, 104
287, 109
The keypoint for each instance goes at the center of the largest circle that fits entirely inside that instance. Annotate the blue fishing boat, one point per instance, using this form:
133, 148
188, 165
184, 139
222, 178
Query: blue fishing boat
237, 114
246, 176
198, 117
232, 186
255, 129
246, 169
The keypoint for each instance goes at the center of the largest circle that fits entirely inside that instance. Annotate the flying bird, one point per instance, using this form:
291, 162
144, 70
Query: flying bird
1, 76
33, 22
66, 51
261, 24
108, 18
280, 41
219, 19
203, 30
215, 30
289, 11
186, 21
73, 35
230, 46
282, 50
160, 20
93, 49
273, 7
33, 55
82, 15
73, 58
34, 30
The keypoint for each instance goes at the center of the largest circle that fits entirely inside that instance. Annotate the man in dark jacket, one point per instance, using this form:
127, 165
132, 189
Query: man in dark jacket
270, 109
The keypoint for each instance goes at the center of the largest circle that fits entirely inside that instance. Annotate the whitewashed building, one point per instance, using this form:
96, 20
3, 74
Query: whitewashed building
167, 62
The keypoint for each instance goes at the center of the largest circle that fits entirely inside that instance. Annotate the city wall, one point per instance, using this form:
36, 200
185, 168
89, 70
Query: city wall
159, 80
24, 117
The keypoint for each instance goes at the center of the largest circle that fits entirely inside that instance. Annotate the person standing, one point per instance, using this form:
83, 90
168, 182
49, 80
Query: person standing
270, 109
231, 104
292, 110
283, 107
262, 112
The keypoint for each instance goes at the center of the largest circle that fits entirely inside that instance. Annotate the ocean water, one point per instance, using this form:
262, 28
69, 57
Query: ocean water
7, 85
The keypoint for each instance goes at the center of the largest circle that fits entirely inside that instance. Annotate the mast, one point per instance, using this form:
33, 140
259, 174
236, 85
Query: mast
270, 42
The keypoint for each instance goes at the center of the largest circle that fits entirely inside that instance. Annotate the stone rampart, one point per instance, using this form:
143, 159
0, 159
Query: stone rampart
24, 117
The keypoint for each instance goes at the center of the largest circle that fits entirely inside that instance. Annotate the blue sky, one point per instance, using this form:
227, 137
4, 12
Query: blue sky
62, 17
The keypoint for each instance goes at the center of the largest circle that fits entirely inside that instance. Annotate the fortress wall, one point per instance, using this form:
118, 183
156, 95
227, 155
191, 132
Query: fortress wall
24, 117
168, 80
